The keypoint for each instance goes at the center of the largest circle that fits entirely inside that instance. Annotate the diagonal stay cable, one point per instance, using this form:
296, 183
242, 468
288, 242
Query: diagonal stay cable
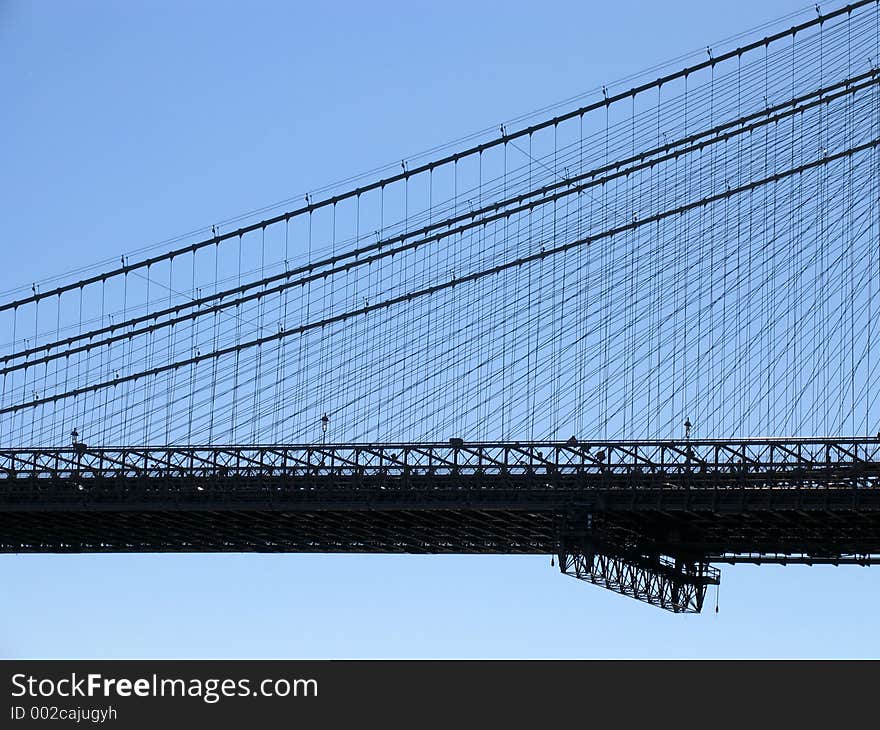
451, 283
569, 188
430, 166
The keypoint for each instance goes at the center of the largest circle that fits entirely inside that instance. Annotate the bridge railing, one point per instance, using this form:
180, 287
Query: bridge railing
655, 459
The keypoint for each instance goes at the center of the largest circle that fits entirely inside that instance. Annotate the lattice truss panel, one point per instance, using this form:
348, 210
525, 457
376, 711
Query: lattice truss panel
767, 463
673, 585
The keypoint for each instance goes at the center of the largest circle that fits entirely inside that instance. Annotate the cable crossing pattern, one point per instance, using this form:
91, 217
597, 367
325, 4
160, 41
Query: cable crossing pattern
694, 259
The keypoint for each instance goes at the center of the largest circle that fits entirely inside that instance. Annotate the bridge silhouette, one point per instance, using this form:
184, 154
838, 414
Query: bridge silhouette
636, 335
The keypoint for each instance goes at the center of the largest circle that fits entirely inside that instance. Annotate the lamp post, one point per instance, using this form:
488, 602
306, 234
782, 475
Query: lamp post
325, 421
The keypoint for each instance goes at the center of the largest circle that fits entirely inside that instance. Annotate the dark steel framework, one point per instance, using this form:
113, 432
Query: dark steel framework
644, 518
677, 586
779, 117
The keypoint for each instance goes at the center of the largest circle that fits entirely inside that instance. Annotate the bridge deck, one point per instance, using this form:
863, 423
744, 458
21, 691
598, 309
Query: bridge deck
784, 500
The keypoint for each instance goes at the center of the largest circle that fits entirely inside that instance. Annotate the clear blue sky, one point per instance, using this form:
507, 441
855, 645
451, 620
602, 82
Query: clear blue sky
129, 123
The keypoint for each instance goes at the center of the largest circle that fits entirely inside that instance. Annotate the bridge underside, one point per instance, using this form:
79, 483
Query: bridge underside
732, 525
652, 544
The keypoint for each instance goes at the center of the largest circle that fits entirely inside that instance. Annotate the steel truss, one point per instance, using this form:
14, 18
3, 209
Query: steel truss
643, 518
765, 463
675, 585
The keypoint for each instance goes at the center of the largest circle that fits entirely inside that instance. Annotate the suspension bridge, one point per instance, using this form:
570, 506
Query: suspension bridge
635, 334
